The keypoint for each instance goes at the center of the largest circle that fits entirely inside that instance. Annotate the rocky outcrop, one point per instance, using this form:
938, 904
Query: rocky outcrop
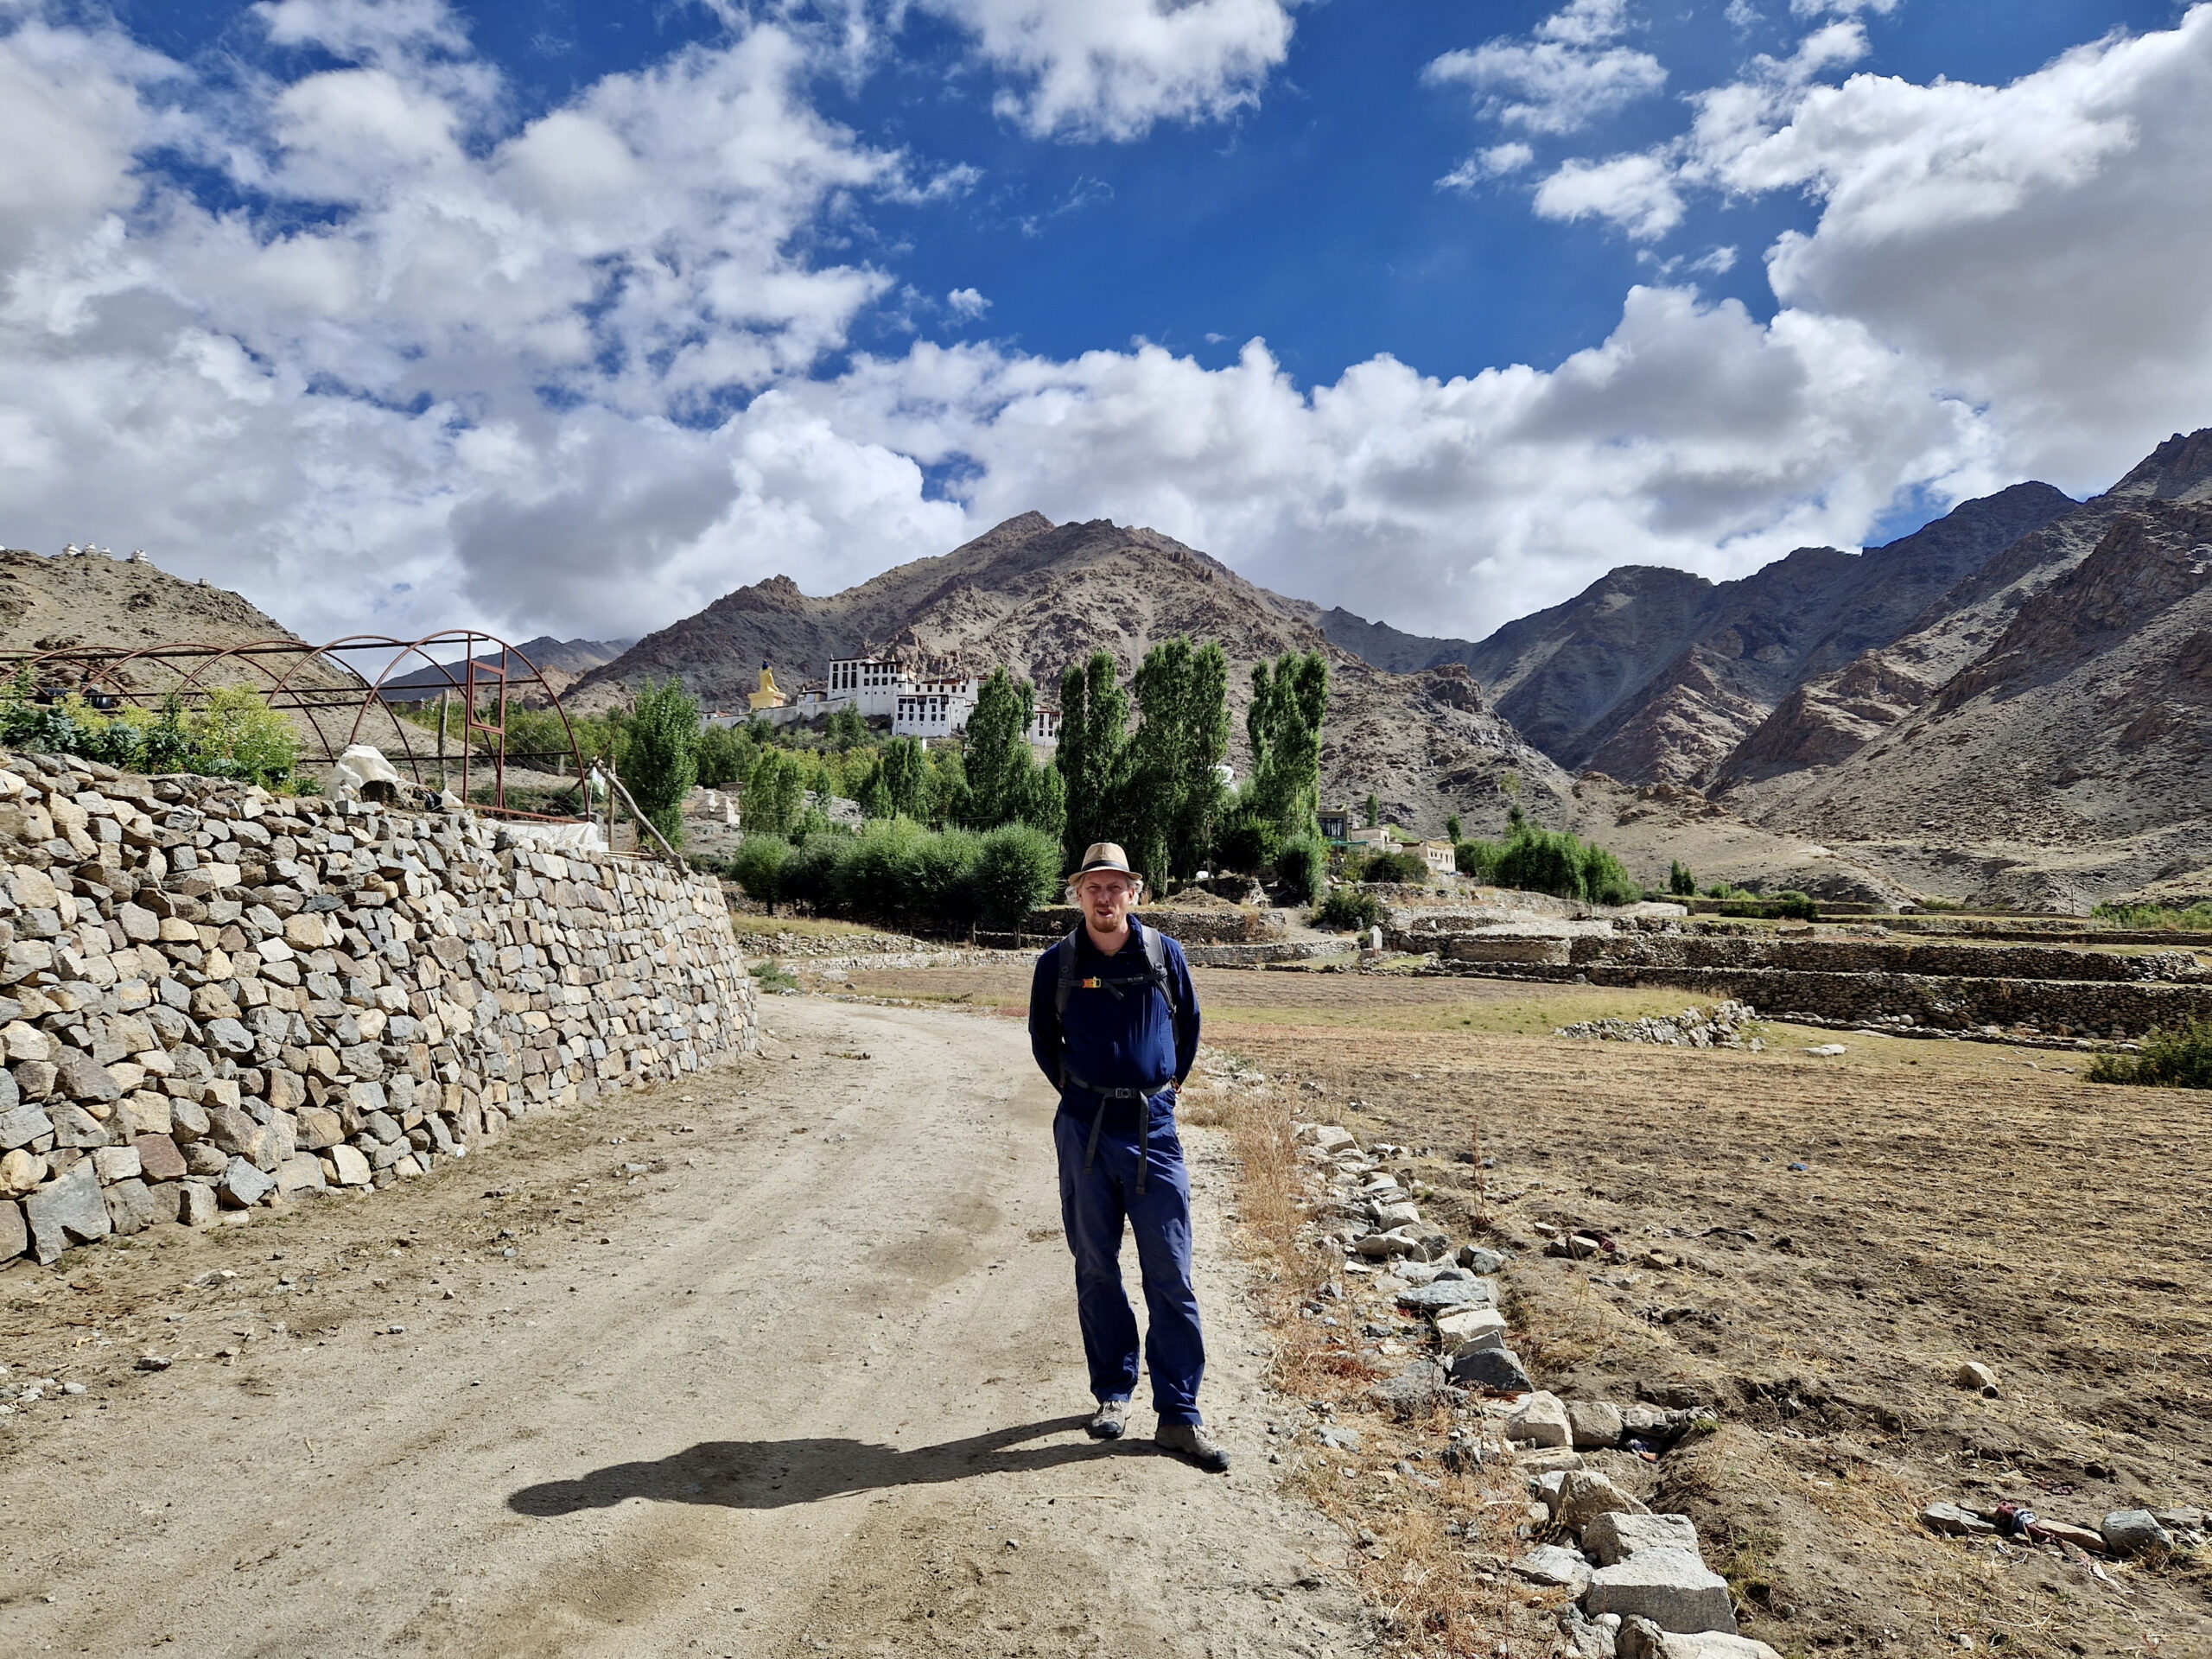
212, 998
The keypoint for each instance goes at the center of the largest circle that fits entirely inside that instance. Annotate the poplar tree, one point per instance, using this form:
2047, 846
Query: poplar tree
997, 750
1094, 720
1290, 699
1173, 795
660, 761
904, 775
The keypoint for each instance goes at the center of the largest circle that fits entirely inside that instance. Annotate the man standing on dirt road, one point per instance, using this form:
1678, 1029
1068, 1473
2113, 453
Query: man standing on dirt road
1113, 1024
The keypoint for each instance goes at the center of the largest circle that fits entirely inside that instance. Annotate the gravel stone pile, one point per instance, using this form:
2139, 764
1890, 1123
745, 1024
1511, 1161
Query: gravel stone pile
1718, 1027
212, 997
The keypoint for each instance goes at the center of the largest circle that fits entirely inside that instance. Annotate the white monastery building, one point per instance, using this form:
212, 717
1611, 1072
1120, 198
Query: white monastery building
921, 706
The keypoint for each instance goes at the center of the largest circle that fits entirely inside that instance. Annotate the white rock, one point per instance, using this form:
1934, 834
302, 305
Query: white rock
1540, 1419
1481, 1327
1671, 1587
1615, 1536
1554, 1567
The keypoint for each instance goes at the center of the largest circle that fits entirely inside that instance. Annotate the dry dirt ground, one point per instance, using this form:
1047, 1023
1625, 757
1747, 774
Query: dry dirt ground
1850, 1231
779, 1361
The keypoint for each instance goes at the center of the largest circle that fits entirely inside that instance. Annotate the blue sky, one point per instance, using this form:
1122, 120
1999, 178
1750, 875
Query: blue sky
396, 313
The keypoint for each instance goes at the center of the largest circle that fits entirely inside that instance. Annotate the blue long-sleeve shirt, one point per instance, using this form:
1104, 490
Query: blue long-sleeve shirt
1117, 1033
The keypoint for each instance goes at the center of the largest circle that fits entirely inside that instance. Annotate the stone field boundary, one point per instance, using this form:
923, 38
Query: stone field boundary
212, 998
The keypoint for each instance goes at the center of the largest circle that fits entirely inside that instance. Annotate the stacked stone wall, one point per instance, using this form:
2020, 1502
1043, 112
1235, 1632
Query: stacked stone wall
2076, 1008
212, 998
1882, 957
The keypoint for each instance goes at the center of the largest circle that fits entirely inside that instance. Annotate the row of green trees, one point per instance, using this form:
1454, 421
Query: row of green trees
896, 873
1158, 789
1532, 858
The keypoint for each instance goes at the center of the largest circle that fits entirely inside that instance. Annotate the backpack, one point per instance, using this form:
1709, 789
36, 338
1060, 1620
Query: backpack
1155, 963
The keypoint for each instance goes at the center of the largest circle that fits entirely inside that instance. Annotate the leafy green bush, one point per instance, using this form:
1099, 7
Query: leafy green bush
1478, 858
896, 873
1017, 868
1680, 882
1348, 911
1392, 867
1298, 864
946, 897
236, 734
880, 874
1247, 840
758, 866
1536, 860
810, 874
2144, 919
1789, 904
2180, 1058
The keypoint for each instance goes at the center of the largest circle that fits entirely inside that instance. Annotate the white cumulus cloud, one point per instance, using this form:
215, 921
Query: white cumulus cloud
1113, 69
1636, 193
1569, 73
575, 374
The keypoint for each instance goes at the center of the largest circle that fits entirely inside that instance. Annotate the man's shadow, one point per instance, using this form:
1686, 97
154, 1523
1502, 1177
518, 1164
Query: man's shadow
771, 1474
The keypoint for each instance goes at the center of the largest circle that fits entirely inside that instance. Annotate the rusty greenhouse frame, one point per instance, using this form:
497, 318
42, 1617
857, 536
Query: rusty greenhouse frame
108, 675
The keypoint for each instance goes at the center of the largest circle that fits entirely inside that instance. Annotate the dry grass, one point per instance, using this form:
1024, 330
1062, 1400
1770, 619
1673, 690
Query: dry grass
1427, 1544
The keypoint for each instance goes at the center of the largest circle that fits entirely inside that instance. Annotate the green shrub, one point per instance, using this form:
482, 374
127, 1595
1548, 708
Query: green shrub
1680, 882
1017, 868
1247, 840
774, 976
1298, 864
2143, 918
758, 866
1392, 867
1348, 911
1536, 860
2180, 1058
878, 874
947, 899
1478, 858
1788, 905
810, 874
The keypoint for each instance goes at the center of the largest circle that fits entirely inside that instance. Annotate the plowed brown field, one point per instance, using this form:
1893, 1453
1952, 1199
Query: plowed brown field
1852, 1229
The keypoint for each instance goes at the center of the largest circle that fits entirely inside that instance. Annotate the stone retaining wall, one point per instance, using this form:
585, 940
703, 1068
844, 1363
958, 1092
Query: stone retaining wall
1198, 925
214, 998
2056, 1008
1880, 957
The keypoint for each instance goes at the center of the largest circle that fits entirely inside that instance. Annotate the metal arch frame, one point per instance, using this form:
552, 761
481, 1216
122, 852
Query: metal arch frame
191, 662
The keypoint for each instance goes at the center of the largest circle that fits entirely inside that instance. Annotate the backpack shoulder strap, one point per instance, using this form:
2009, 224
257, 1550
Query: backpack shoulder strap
1155, 959
1066, 988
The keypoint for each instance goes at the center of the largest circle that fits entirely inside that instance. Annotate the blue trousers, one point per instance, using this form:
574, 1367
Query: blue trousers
1094, 1204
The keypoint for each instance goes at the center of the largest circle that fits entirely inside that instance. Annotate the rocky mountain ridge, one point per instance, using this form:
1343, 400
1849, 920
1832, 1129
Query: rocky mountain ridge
1038, 597
1652, 674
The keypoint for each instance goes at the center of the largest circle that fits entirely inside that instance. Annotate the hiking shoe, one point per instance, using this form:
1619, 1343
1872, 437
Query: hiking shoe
1193, 1444
1110, 1421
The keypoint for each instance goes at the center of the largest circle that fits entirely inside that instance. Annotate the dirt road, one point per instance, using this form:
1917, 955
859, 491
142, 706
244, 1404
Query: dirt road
783, 1362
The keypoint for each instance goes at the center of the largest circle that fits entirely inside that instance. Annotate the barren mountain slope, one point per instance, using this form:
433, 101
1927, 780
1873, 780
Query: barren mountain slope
1830, 717
1036, 597
561, 663
2082, 727
1652, 674
47, 604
